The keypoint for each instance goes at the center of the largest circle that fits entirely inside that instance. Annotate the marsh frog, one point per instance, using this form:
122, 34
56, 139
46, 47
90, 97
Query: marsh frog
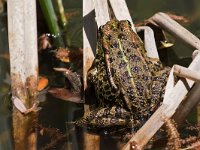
128, 84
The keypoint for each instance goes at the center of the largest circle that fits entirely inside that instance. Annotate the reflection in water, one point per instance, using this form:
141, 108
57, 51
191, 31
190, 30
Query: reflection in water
5, 116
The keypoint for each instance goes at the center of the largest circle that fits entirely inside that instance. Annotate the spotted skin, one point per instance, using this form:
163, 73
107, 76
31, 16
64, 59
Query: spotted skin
124, 78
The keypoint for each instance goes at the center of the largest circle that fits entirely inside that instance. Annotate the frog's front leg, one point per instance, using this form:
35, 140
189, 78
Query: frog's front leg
105, 117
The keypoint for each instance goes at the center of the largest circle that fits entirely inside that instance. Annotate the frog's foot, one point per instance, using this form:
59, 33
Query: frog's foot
105, 117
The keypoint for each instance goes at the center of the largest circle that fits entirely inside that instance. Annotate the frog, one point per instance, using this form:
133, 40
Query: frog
128, 84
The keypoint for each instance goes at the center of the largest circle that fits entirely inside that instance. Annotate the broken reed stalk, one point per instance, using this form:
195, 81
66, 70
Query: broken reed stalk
171, 26
192, 98
89, 45
149, 41
194, 54
186, 73
22, 32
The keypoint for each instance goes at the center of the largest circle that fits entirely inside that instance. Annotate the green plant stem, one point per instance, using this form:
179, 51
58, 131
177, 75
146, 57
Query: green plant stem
51, 19
61, 13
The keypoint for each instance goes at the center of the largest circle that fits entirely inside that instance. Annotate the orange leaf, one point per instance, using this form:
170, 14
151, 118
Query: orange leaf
43, 82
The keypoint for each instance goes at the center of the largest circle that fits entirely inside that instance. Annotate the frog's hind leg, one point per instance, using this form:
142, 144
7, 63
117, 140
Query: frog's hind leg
105, 117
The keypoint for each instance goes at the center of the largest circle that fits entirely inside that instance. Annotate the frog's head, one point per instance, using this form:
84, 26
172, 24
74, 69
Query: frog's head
109, 28
107, 32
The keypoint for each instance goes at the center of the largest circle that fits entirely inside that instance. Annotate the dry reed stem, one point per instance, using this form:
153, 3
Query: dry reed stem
186, 73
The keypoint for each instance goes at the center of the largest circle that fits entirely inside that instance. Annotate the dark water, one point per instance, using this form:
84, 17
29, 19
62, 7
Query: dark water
5, 117
56, 113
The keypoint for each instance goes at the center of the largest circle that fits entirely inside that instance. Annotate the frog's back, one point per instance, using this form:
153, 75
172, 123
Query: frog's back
132, 70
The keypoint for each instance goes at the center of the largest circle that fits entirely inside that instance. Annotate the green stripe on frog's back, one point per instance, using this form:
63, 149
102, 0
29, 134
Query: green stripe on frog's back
128, 68
136, 55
